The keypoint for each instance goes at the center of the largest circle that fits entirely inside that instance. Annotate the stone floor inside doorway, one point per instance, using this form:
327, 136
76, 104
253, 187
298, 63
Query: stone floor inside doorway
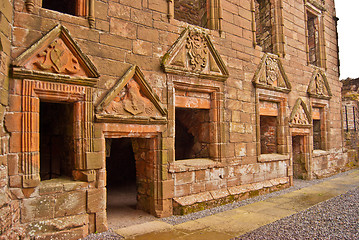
121, 208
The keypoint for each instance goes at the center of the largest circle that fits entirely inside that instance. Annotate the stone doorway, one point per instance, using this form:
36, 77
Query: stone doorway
300, 156
127, 193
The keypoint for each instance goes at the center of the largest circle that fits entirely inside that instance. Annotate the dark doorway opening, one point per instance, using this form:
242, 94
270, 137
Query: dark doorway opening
122, 190
299, 157
56, 140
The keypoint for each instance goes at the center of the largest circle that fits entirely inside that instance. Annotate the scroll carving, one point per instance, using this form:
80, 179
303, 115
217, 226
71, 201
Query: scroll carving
58, 59
197, 50
30, 5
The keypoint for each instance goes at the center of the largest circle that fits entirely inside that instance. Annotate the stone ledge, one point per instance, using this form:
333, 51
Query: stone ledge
58, 185
205, 200
317, 153
193, 165
273, 157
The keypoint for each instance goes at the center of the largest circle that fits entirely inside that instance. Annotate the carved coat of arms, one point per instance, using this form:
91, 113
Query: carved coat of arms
197, 50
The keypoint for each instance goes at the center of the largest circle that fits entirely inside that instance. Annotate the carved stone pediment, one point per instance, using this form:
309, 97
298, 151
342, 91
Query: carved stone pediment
131, 100
300, 116
56, 57
319, 86
193, 54
270, 74
319, 4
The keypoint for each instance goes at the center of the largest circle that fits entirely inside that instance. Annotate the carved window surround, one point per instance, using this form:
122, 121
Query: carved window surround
214, 105
317, 9
54, 69
214, 12
324, 122
32, 93
84, 8
282, 127
277, 27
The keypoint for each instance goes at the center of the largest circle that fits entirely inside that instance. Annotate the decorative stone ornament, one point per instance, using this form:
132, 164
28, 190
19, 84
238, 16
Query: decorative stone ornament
56, 56
131, 100
300, 116
193, 54
319, 4
319, 86
30, 5
270, 74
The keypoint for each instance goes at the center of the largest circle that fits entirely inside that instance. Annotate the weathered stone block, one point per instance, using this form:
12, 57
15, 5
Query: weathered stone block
44, 229
94, 160
70, 203
96, 200
35, 209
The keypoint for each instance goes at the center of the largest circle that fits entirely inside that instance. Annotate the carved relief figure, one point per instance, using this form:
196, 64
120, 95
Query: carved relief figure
319, 85
58, 59
130, 100
197, 50
271, 71
300, 117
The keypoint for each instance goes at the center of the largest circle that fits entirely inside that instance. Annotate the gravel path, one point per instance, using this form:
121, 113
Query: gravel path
174, 220
336, 218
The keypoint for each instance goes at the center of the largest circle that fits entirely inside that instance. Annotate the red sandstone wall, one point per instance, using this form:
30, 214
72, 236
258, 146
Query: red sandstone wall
130, 32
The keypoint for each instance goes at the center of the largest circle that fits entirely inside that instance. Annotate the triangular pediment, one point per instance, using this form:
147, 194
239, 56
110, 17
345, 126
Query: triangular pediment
56, 54
193, 54
270, 74
319, 86
300, 116
131, 100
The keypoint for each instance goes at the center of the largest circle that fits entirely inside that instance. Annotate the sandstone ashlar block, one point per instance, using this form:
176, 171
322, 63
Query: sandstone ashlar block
101, 221
184, 178
70, 203
65, 225
36, 209
96, 200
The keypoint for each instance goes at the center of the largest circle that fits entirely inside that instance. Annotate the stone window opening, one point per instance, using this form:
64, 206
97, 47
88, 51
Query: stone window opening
268, 133
315, 36
264, 23
319, 127
271, 129
56, 140
191, 11
80, 8
267, 26
203, 13
192, 138
76, 8
312, 25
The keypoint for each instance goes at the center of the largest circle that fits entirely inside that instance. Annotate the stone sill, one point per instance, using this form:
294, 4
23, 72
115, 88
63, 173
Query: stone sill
273, 157
58, 185
193, 165
317, 153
